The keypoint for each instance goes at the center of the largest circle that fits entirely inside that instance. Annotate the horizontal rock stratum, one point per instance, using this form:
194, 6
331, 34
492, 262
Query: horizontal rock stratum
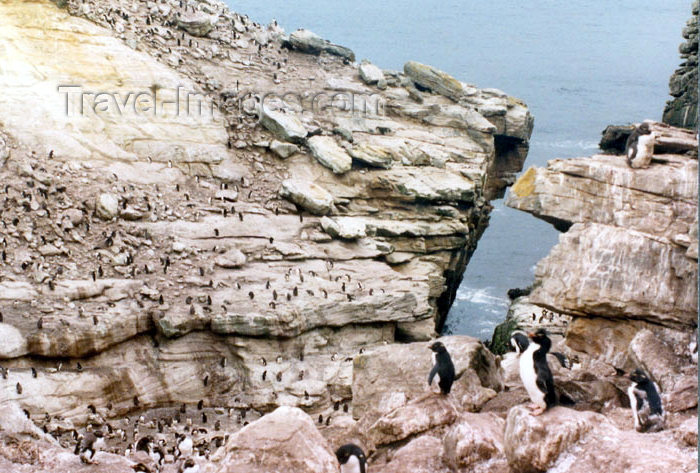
175, 235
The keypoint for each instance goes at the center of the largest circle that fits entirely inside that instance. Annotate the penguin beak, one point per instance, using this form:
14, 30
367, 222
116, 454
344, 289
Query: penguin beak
530, 334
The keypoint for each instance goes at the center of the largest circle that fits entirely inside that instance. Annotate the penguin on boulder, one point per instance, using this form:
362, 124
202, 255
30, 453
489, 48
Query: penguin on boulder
535, 373
352, 459
443, 368
645, 401
640, 146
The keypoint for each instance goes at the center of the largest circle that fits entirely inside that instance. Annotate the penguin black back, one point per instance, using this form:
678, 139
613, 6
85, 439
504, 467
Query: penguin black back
645, 401
443, 368
545, 380
352, 459
643, 383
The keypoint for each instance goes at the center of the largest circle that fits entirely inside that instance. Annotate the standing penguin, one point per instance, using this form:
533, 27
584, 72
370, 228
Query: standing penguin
443, 368
89, 445
646, 403
535, 373
352, 459
640, 146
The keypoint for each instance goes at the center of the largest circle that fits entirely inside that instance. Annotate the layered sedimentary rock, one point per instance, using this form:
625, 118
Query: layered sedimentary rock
682, 110
625, 271
193, 211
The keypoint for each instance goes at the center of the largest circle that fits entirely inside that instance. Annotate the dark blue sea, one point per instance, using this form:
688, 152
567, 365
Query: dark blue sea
578, 65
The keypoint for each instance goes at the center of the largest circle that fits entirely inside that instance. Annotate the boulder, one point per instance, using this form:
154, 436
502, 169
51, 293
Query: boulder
285, 440
308, 42
655, 357
475, 443
420, 455
330, 154
284, 125
231, 259
197, 24
307, 195
370, 73
107, 206
283, 150
435, 80
411, 419
534, 444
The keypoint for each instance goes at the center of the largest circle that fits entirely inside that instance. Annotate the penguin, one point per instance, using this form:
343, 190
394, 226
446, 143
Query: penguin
188, 466
640, 146
443, 368
519, 341
645, 401
89, 445
535, 373
352, 459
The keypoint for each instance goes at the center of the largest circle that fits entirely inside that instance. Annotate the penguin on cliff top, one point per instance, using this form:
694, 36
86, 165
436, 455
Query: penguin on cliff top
443, 368
352, 459
645, 401
535, 373
640, 146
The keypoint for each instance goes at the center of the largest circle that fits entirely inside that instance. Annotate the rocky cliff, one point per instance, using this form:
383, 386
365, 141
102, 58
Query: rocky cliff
621, 284
205, 218
682, 111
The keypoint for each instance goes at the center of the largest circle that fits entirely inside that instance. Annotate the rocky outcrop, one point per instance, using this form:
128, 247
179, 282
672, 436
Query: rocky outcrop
624, 274
682, 110
634, 233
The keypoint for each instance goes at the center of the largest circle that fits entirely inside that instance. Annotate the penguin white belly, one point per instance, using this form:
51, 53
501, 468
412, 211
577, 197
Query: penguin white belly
529, 376
645, 151
185, 447
633, 404
351, 466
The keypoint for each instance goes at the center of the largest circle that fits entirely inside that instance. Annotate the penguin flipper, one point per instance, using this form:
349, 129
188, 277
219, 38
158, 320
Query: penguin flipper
433, 372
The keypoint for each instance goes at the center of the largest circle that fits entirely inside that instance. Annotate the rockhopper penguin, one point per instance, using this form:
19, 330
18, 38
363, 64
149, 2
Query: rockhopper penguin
640, 146
646, 403
352, 459
443, 368
535, 373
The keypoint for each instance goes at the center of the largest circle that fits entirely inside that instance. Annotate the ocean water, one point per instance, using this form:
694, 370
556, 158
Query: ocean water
578, 65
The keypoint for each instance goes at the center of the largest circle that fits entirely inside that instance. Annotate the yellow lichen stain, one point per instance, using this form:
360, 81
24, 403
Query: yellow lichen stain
525, 185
